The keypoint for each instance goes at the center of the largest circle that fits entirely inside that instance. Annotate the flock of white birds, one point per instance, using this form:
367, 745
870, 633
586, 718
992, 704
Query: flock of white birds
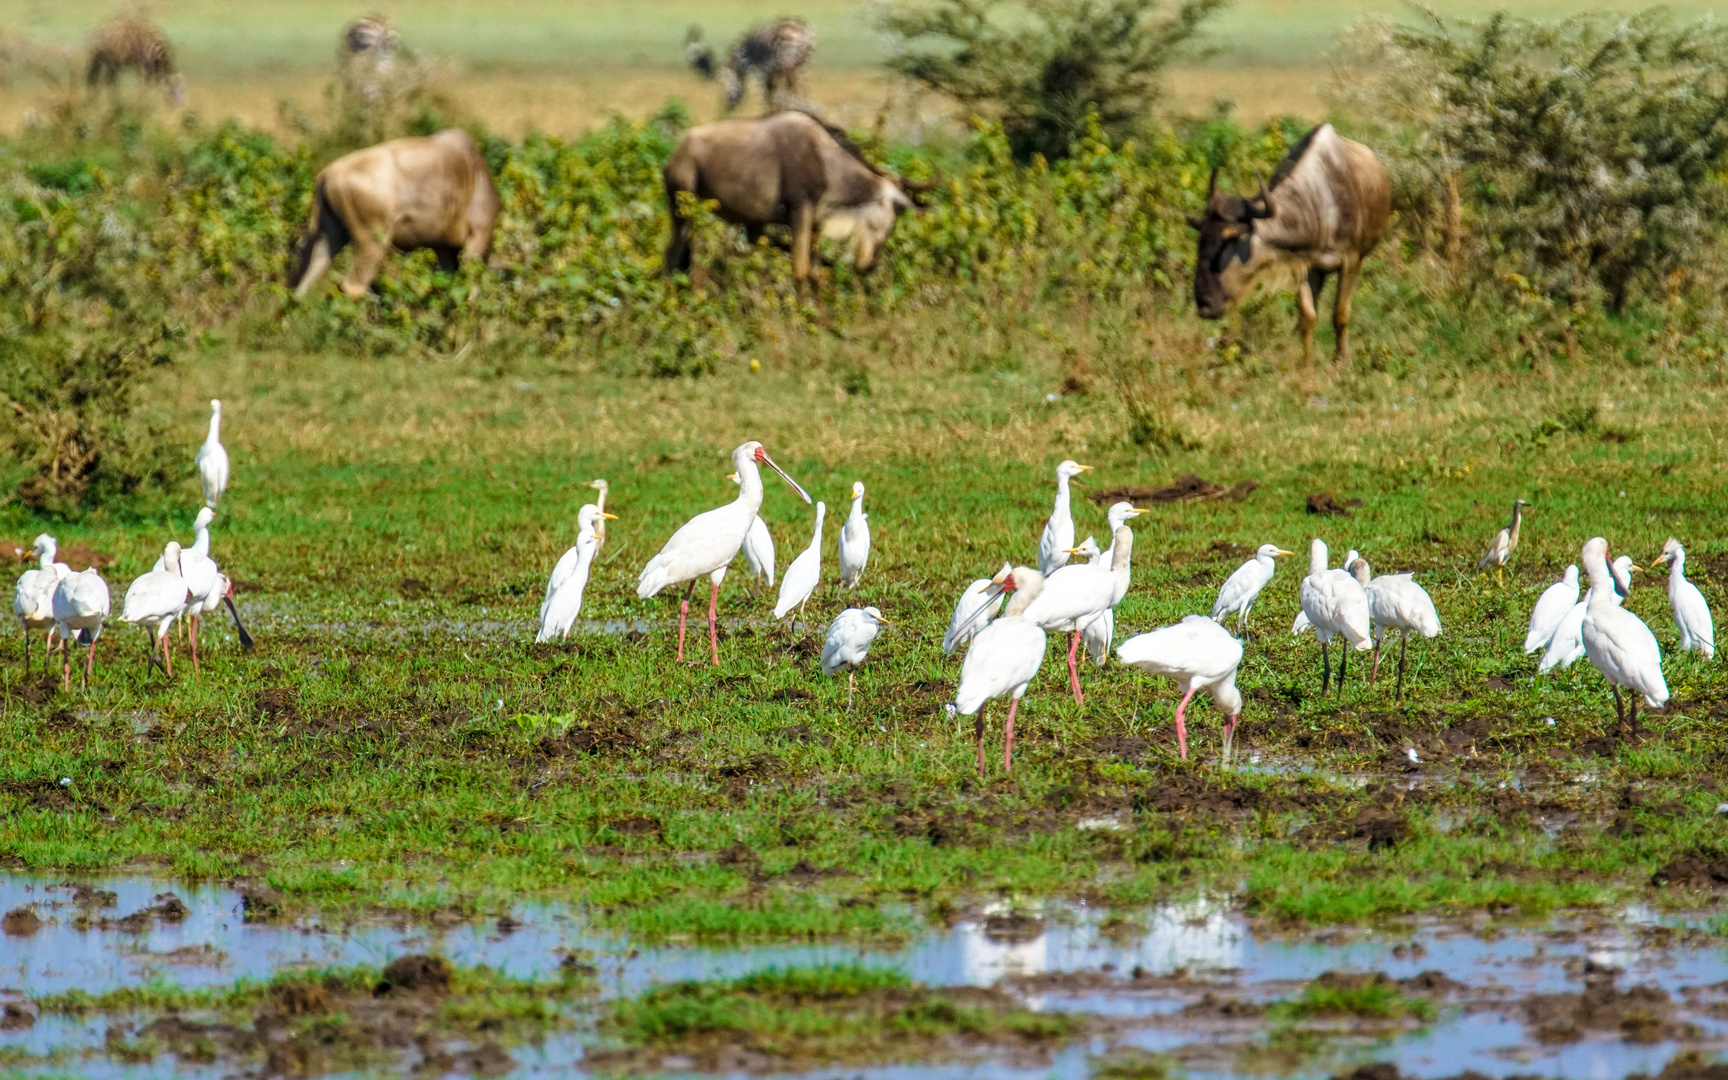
1002, 621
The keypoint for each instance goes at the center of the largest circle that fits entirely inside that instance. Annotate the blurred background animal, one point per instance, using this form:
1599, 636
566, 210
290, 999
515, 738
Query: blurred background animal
367, 54
778, 54
129, 41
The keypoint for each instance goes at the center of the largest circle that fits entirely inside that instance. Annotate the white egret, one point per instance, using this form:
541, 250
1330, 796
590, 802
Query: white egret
1617, 642
1551, 607
800, 579
570, 576
710, 541
33, 598
1244, 586
973, 612
758, 549
854, 540
1301, 625
1395, 602
1691, 613
1003, 658
1073, 596
1200, 655
1336, 605
849, 638
1059, 530
81, 606
155, 600
1566, 647
213, 459
604, 489
1505, 542
1096, 638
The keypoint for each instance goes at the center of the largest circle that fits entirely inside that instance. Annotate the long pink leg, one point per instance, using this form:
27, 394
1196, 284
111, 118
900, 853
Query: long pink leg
66, 675
1229, 732
90, 665
1375, 670
48, 644
713, 622
683, 611
1181, 724
1008, 742
978, 728
192, 641
1073, 669
168, 653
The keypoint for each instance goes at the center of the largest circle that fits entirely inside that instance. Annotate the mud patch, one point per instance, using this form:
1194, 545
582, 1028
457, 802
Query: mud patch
1693, 872
1187, 488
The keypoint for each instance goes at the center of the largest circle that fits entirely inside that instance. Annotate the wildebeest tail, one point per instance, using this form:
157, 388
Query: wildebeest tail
326, 225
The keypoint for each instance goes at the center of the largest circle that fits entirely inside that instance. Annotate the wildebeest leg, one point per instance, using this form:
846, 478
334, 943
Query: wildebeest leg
1348, 276
803, 237
322, 243
369, 252
677, 257
1307, 295
447, 258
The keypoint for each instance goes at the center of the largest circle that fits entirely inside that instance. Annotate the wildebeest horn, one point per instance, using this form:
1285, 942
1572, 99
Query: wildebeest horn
919, 191
1264, 210
1212, 184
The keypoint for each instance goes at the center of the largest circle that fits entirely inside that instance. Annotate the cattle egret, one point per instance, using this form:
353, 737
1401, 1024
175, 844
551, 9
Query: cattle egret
1551, 607
854, 540
155, 600
1096, 638
1003, 658
1566, 647
758, 549
213, 459
1073, 596
1691, 613
849, 638
1505, 542
801, 577
973, 612
1200, 655
1617, 642
709, 542
223, 593
604, 489
1335, 604
570, 576
1395, 602
1058, 538
1243, 587
33, 598
81, 605
1301, 625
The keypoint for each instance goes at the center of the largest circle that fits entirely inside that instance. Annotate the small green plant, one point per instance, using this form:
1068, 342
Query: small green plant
1372, 996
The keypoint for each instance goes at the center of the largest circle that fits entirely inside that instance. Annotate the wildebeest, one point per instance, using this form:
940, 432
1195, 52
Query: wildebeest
430, 191
365, 56
779, 53
785, 169
1325, 210
128, 41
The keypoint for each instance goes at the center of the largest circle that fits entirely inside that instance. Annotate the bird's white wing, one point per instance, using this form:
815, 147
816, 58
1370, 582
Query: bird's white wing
1396, 600
963, 627
1566, 645
1097, 636
1072, 594
1241, 588
1348, 608
1003, 657
1625, 651
799, 581
707, 542
156, 595
759, 551
1196, 648
1693, 613
1556, 600
1302, 624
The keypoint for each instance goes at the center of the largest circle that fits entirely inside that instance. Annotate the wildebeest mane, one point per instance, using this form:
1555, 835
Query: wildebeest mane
1292, 159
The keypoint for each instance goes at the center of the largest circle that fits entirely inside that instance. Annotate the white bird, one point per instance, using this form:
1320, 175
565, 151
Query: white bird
1395, 602
1551, 607
1566, 647
1335, 604
710, 541
213, 459
1243, 587
1505, 542
849, 638
1617, 642
201, 575
1073, 596
155, 600
758, 549
33, 598
604, 489
81, 606
973, 612
1691, 613
854, 540
1301, 625
1200, 655
1096, 638
1003, 658
1058, 538
570, 576
801, 577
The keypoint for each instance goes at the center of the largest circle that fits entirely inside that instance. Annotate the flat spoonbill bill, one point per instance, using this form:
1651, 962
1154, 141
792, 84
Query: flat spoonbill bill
1058, 538
154, 601
1335, 604
1566, 647
849, 638
1617, 642
854, 540
799, 581
973, 612
212, 459
570, 576
1075, 595
1200, 655
81, 605
709, 542
1244, 586
33, 598
1691, 613
1395, 602
1556, 600
1505, 542
1002, 659
758, 549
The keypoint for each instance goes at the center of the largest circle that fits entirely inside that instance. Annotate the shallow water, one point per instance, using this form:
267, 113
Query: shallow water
1203, 942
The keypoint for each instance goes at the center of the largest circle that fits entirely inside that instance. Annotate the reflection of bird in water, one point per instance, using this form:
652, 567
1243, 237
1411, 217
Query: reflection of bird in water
987, 954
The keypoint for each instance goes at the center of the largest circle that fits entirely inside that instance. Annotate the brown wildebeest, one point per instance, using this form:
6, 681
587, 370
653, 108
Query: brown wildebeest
1326, 209
785, 169
429, 191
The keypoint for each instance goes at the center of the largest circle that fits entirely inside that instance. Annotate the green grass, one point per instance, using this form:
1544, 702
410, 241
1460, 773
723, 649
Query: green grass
1370, 998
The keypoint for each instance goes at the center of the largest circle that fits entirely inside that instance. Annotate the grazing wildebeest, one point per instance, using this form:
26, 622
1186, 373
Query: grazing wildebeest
1326, 209
128, 41
430, 191
785, 169
779, 53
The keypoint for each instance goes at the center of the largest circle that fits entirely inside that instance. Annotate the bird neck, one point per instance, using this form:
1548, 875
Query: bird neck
47, 560
1318, 556
1601, 580
1677, 572
215, 426
816, 536
749, 485
201, 541
1061, 493
1517, 523
858, 507
1122, 552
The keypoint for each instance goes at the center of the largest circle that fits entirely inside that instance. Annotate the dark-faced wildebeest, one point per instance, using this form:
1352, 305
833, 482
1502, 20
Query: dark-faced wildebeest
430, 191
785, 169
1326, 209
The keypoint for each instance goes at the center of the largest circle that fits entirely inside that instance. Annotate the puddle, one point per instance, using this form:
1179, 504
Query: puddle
1135, 983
